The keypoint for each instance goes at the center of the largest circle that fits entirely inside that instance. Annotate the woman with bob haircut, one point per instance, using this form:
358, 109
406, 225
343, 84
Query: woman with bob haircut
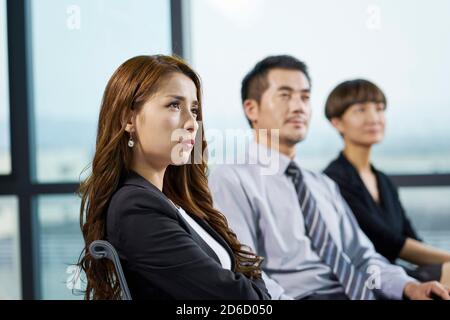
356, 109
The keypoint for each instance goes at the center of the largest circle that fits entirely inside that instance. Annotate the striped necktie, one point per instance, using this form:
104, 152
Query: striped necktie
351, 278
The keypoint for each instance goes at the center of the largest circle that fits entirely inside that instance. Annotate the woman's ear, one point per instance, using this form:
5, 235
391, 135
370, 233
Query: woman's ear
130, 127
337, 123
251, 110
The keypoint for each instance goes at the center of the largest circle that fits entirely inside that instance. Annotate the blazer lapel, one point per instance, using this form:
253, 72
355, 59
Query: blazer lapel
358, 185
350, 175
217, 237
134, 178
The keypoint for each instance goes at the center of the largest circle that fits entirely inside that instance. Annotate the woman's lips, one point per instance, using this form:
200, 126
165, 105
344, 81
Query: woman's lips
373, 130
188, 143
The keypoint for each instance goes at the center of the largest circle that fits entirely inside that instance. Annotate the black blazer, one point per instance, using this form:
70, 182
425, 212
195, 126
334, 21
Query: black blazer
162, 256
386, 223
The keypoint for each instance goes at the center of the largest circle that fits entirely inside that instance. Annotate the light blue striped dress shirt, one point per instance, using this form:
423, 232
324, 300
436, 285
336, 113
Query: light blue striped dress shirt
262, 208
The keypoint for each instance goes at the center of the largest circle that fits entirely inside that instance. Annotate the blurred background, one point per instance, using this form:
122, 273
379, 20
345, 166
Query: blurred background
57, 55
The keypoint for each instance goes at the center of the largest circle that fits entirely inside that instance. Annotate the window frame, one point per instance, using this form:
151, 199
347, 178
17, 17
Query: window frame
19, 182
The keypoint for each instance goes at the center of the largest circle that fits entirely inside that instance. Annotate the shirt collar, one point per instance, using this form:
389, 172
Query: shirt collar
271, 161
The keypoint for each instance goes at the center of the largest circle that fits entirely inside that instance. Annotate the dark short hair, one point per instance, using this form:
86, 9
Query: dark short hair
255, 82
349, 93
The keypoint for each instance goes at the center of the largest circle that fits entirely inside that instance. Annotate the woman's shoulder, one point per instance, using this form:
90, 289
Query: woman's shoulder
137, 195
131, 197
132, 204
385, 181
339, 170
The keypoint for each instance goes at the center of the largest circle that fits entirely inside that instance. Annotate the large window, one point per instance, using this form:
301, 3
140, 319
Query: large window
61, 55
5, 155
428, 210
76, 46
60, 243
9, 249
401, 45
62, 52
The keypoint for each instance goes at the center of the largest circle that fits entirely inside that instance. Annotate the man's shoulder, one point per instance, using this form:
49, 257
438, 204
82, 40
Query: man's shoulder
320, 182
233, 171
316, 176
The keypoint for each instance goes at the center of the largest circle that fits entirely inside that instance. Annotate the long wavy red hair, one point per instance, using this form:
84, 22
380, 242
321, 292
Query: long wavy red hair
186, 185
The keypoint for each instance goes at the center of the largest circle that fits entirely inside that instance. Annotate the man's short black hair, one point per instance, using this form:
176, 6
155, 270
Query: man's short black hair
255, 82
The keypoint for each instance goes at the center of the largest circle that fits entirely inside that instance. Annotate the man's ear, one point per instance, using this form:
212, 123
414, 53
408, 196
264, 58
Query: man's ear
337, 123
251, 110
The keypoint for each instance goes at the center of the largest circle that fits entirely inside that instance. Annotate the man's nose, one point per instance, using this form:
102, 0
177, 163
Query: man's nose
298, 105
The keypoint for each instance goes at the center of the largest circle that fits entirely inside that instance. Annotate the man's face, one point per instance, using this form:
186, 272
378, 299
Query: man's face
285, 105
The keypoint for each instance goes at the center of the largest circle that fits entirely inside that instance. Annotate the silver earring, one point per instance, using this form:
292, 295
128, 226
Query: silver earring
131, 141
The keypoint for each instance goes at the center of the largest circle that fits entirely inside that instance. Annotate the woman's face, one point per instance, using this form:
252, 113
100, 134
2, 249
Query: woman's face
164, 128
362, 123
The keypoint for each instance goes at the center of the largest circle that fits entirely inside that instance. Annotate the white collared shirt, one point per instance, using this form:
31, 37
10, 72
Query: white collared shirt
219, 250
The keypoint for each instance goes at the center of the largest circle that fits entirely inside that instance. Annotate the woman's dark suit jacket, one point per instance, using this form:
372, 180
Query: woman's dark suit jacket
162, 256
386, 224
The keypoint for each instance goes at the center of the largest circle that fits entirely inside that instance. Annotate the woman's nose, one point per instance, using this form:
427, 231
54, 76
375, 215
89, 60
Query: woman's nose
373, 116
191, 124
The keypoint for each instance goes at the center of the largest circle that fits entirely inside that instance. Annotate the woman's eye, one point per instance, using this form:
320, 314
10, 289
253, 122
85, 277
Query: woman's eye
175, 105
194, 111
